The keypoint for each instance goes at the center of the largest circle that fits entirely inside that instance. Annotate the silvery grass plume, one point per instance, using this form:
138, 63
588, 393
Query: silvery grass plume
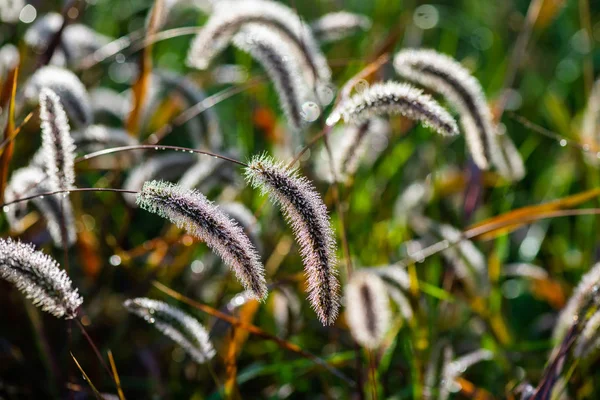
97, 137
192, 211
515, 170
286, 311
524, 270
277, 58
457, 367
367, 308
58, 149
170, 6
396, 280
351, 144
590, 124
413, 199
168, 166
588, 342
390, 98
246, 219
180, 327
339, 25
39, 278
9, 59
206, 173
204, 129
585, 291
58, 212
67, 86
108, 105
230, 16
442, 74
10, 10
467, 260
305, 211
77, 40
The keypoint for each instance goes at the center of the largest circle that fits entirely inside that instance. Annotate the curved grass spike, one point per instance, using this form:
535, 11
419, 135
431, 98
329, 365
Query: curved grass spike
278, 60
192, 211
39, 278
182, 328
389, 98
442, 74
338, 25
305, 211
58, 149
367, 308
230, 16
585, 290
73, 95
57, 211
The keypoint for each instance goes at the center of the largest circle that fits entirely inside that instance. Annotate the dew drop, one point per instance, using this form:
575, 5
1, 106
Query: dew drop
361, 86
563, 142
5, 208
310, 111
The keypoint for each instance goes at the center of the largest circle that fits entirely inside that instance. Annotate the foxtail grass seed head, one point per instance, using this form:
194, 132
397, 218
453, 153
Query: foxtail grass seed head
442, 74
99, 137
108, 104
588, 341
58, 149
230, 16
305, 211
57, 210
168, 167
180, 327
339, 25
590, 124
73, 95
457, 367
278, 59
367, 308
390, 98
583, 293
192, 211
39, 278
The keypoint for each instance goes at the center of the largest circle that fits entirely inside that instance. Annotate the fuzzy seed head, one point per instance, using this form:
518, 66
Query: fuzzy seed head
442, 74
582, 294
180, 327
338, 25
367, 308
73, 95
58, 149
39, 278
394, 98
57, 210
305, 211
283, 69
230, 16
192, 211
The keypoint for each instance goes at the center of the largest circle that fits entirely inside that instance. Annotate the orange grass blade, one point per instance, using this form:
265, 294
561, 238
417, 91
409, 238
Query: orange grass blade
87, 379
140, 87
113, 368
8, 97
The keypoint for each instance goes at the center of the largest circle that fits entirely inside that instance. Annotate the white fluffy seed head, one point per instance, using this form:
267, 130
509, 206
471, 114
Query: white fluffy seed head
167, 167
351, 145
180, 327
230, 16
367, 308
98, 137
39, 278
582, 294
442, 74
192, 211
338, 25
57, 210
282, 67
10, 10
305, 211
394, 98
69, 89
58, 149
